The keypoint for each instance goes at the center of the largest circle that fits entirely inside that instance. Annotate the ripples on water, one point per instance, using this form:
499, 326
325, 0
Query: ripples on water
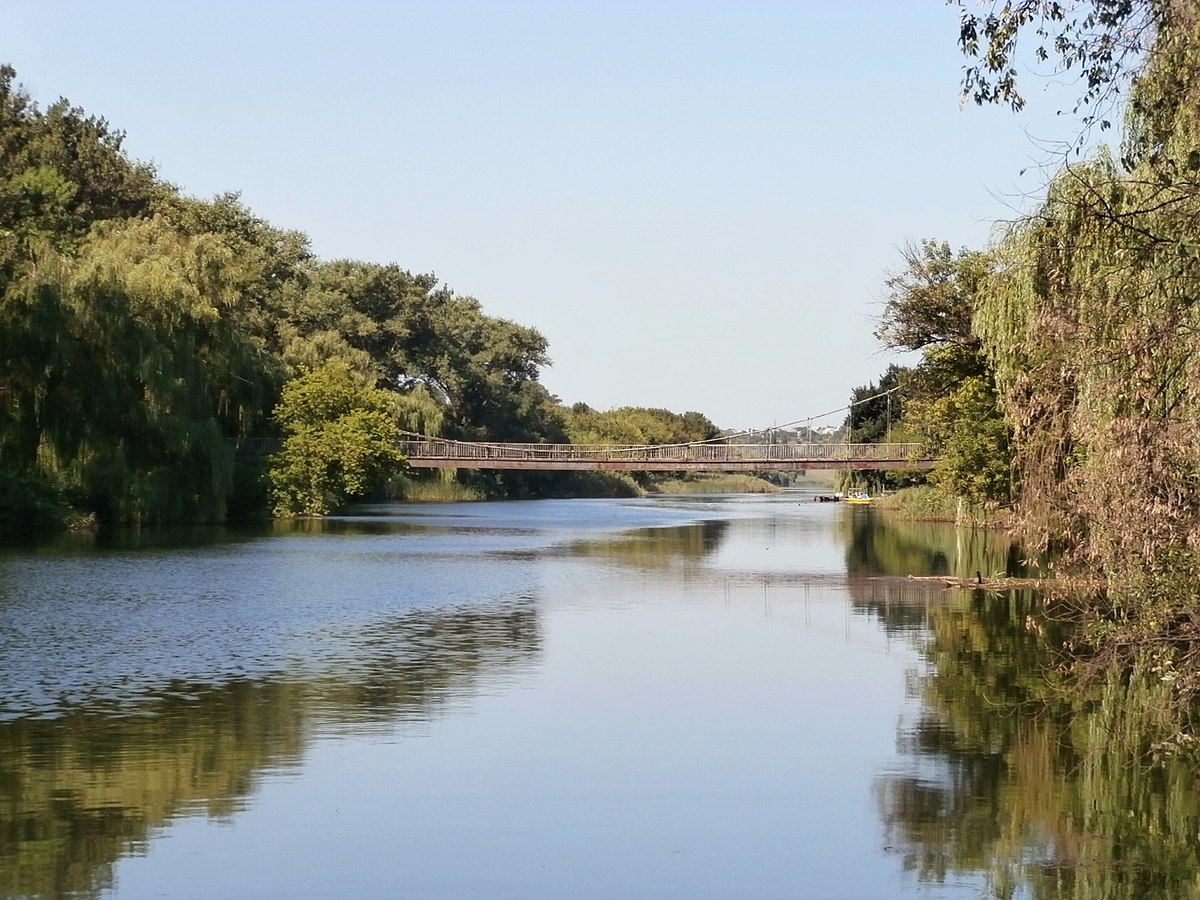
104, 628
674, 697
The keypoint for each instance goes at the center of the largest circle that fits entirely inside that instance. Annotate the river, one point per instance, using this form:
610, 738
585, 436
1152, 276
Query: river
669, 697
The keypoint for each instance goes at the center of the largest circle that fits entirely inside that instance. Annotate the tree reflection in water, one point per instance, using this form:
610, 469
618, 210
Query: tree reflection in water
1008, 771
1047, 789
80, 790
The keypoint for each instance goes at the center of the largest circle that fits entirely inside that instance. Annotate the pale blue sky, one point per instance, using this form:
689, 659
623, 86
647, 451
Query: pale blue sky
696, 203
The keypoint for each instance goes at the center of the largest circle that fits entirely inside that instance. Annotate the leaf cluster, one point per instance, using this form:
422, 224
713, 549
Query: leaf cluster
1104, 42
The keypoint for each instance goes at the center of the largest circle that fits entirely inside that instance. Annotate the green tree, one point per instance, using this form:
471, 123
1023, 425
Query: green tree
125, 378
637, 425
268, 264
964, 429
341, 440
409, 331
876, 408
931, 300
876, 416
948, 401
122, 376
60, 171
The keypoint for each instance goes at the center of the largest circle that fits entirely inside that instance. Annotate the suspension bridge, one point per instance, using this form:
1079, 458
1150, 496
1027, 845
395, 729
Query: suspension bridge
704, 456
721, 454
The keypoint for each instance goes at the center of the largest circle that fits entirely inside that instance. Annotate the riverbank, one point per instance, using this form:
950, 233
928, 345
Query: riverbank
928, 504
714, 483
596, 485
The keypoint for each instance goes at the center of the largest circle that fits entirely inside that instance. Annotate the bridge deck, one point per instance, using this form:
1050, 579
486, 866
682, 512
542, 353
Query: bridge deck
441, 454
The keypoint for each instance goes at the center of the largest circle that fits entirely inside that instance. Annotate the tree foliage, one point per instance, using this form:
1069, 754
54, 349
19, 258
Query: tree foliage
60, 171
341, 438
931, 300
145, 336
876, 408
637, 425
875, 416
948, 401
964, 428
1102, 42
1091, 323
124, 376
1092, 327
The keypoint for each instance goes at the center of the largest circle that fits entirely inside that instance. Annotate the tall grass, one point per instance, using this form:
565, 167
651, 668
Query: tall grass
714, 483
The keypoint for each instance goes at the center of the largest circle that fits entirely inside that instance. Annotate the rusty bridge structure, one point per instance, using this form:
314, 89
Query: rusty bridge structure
439, 453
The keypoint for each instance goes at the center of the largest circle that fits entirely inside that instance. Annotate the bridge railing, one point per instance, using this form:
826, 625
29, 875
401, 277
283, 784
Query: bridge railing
462, 450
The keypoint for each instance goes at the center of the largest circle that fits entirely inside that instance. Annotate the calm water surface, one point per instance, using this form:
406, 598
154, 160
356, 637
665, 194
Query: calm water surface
672, 697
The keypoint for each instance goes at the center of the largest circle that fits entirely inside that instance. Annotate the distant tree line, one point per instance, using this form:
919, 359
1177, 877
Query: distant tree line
148, 339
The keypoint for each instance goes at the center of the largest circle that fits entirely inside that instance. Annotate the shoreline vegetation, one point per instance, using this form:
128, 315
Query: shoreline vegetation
606, 485
924, 503
1057, 383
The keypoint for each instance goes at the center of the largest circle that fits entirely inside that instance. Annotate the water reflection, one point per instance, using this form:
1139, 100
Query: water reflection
1015, 772
656, 547
881, 545
882, 552
412, 667
80, 790
1047, 790
157, 677
156, 674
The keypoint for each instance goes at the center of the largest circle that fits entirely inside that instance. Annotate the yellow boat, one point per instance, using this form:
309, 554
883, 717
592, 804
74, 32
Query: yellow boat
861, 498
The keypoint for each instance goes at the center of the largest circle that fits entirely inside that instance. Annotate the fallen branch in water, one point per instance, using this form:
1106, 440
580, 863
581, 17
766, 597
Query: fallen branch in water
1059, 585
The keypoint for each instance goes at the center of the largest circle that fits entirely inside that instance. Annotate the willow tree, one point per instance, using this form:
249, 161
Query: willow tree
124, 375
1093, 325
128, 380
